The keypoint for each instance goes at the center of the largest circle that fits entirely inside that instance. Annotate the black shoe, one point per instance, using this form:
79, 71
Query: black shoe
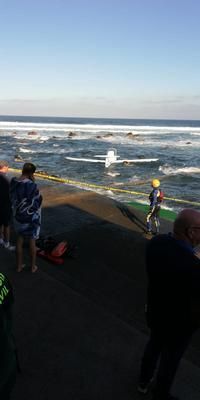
144, 387
168, 397
148, 233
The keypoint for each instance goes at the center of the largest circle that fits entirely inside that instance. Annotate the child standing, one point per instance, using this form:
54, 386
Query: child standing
26, 204
155, 197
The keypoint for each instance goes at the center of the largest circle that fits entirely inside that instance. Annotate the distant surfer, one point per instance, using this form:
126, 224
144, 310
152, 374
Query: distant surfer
155, 197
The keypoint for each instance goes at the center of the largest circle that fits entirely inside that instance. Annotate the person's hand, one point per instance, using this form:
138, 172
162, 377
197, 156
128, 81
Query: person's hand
197, 251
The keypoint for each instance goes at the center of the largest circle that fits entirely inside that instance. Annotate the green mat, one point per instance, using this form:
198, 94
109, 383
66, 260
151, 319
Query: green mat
166, 214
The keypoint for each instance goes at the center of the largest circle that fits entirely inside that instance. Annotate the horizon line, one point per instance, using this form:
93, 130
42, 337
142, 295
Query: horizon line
105, 118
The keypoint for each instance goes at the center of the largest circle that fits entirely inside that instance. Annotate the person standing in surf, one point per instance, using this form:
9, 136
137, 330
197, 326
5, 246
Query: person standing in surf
26, 203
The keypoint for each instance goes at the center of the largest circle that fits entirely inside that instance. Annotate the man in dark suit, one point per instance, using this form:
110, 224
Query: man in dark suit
173, 302
8, 359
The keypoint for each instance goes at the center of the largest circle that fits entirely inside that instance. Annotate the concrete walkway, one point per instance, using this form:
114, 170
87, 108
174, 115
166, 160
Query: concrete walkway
80, 327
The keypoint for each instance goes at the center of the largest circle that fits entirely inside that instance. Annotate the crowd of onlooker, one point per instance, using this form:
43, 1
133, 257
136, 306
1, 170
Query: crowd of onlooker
20, 201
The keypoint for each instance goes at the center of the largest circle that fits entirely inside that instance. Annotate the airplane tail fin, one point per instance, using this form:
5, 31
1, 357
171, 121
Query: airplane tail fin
111, 157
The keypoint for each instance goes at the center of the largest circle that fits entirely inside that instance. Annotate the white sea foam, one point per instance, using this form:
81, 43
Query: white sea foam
113, 174
44, 138
167, 170
149, 136
27, 137
23, 150
95, 128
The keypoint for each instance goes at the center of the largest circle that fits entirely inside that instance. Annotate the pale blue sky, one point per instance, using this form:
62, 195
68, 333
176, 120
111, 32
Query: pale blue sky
100, 58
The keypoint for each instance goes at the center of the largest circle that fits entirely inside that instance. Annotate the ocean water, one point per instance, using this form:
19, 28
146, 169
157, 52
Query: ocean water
47, 141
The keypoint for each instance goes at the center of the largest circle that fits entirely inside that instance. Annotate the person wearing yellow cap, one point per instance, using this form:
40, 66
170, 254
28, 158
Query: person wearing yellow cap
155, 197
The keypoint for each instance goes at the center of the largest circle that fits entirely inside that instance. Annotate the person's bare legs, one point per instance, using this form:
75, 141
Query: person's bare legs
19, 253
1, 234
7, 234
32, 248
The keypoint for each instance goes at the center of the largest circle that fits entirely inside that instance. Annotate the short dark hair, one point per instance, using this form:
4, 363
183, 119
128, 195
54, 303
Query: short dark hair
28, 169
3, 163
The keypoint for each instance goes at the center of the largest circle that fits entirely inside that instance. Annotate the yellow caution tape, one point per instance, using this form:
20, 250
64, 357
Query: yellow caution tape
92, 185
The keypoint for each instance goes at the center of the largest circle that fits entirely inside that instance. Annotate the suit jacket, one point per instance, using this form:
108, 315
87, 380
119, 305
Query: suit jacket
173, 295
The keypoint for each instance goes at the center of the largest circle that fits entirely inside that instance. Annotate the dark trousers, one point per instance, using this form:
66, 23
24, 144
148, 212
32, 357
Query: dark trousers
153, 214
5, 391
167, 348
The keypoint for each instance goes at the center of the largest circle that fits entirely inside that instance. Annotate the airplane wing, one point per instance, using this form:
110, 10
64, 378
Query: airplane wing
85, 159
104, 156
138, 160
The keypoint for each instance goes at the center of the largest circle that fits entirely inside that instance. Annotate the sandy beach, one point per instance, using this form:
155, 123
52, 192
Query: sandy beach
80, 327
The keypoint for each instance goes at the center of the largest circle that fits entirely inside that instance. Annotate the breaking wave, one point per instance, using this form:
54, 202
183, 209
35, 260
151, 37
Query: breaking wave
166, 170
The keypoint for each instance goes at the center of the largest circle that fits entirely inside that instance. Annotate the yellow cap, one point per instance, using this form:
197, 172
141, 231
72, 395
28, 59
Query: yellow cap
155, 183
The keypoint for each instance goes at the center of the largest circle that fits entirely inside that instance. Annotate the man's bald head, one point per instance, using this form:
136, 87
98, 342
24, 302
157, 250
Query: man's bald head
187, 226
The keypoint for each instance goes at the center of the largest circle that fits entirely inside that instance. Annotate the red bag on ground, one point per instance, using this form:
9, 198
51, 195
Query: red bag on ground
48, 249
49, 257
60, 249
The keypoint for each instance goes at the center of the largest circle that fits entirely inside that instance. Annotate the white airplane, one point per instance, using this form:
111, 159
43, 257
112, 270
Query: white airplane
112, 158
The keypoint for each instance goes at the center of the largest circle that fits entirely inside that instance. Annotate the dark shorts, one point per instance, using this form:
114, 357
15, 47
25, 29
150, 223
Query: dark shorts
29, 230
